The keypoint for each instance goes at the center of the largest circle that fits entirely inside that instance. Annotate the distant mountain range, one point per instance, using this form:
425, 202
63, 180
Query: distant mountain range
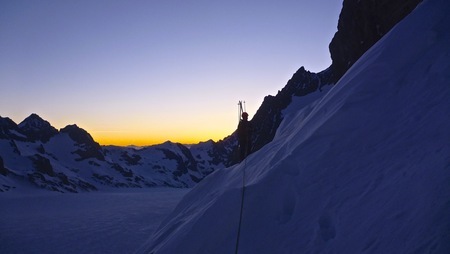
69, 160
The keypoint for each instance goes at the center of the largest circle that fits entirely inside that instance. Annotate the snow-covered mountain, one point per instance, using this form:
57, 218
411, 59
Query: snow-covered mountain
69, 160
362, 168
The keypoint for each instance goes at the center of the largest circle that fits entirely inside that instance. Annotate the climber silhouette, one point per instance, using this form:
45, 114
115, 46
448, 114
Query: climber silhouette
244, 137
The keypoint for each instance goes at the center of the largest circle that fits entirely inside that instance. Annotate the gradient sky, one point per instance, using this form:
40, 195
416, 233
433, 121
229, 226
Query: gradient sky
143, 72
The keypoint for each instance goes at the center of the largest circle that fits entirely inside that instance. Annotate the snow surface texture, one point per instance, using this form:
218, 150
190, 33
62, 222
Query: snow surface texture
105, 222
364, 169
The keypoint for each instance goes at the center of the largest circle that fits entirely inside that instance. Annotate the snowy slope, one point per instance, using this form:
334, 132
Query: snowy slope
364, 169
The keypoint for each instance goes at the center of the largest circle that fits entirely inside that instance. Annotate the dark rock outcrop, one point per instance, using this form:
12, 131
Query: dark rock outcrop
3, 170
88, 147
42, 165
131, 159
269, 115
361, 24
184, 160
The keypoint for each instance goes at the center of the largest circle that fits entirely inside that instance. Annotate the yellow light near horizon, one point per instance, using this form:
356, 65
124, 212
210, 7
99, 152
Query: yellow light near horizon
158, 127
126, 140
153, 137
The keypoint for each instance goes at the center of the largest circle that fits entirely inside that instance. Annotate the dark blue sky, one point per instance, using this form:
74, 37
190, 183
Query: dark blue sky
146, 71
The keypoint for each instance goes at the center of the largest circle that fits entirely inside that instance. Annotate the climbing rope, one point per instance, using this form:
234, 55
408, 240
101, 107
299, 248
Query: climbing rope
242, 207
241, 109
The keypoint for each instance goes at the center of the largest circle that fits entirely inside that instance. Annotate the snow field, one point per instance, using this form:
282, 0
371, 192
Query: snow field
106, 222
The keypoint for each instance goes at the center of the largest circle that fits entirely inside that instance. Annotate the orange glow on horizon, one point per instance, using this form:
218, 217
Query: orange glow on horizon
136, 139
117, 141
190, 128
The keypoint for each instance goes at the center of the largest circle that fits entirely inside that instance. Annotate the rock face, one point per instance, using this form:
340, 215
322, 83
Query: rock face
361, 24
266, 120
269, 115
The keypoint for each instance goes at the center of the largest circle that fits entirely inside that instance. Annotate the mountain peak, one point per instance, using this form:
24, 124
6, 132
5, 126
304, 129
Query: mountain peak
6, 127
36, 128
34, 121
78, 134
7, 122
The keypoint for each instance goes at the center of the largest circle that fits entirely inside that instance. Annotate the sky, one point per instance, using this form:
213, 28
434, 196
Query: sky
144, 72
